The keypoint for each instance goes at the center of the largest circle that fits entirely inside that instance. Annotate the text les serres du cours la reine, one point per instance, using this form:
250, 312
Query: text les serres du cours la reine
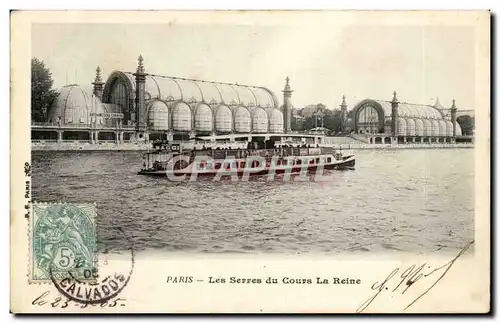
267, 280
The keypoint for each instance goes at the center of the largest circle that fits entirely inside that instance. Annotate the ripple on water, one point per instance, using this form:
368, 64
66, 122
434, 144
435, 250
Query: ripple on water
393, 201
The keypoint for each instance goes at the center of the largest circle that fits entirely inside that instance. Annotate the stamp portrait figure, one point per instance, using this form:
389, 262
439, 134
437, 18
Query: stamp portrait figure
63, 241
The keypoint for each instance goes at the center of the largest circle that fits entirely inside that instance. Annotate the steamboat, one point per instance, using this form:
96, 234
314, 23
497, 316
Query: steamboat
257, 159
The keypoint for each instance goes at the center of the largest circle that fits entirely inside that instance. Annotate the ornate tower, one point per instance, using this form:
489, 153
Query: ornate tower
287, 106
437, 104
453, 111
140, 91
343, 114
98, 83
394, 121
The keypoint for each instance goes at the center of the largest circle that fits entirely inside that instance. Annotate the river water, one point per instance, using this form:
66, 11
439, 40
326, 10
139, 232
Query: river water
395, 200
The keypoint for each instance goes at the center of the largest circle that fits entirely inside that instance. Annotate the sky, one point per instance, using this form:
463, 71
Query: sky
323, 62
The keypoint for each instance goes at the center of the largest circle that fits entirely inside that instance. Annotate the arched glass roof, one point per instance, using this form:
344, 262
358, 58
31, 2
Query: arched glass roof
261, 92
246, 96
210, 92
411, 110
168, 87
152, 87
190, 90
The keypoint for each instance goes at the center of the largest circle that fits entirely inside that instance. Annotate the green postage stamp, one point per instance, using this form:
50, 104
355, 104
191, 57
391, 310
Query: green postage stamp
62, 241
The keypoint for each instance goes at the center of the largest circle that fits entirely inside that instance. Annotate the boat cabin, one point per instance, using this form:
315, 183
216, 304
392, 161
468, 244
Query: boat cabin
235, 159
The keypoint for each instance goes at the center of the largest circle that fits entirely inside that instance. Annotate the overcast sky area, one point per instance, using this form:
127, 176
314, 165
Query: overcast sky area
361, 62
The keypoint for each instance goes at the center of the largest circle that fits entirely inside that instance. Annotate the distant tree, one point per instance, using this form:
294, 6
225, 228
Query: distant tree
296, 123
333, 120
330, 119
308, 123
317, 119
42, 93
467, 124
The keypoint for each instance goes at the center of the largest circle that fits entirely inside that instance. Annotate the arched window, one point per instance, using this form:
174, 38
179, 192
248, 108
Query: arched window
68, 114
120, 97
181, 117
410, 127
242, 119
223, 119
259, 120
402, 131
203, 118
368, 118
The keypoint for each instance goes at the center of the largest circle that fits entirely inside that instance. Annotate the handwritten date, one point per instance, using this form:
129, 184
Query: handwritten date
407, 278
45, 299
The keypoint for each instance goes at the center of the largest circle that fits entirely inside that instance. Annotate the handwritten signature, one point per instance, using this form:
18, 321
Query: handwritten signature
45, 299
408, 277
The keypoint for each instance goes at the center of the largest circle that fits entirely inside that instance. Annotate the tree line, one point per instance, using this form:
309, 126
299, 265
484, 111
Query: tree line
321, 117
42, 93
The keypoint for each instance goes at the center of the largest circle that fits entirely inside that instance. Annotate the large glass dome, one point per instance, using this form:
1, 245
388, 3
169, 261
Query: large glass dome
74, 106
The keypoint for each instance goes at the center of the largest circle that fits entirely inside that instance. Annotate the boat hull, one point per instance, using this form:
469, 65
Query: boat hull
347, 163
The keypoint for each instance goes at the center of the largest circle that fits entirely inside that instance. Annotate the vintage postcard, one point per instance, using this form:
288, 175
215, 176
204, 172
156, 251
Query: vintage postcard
250, 162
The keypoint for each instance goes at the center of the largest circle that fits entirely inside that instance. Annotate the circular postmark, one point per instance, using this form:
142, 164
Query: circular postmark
98, 287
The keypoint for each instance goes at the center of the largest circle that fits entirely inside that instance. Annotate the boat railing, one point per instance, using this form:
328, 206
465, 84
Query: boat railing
158, 159
244, 153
